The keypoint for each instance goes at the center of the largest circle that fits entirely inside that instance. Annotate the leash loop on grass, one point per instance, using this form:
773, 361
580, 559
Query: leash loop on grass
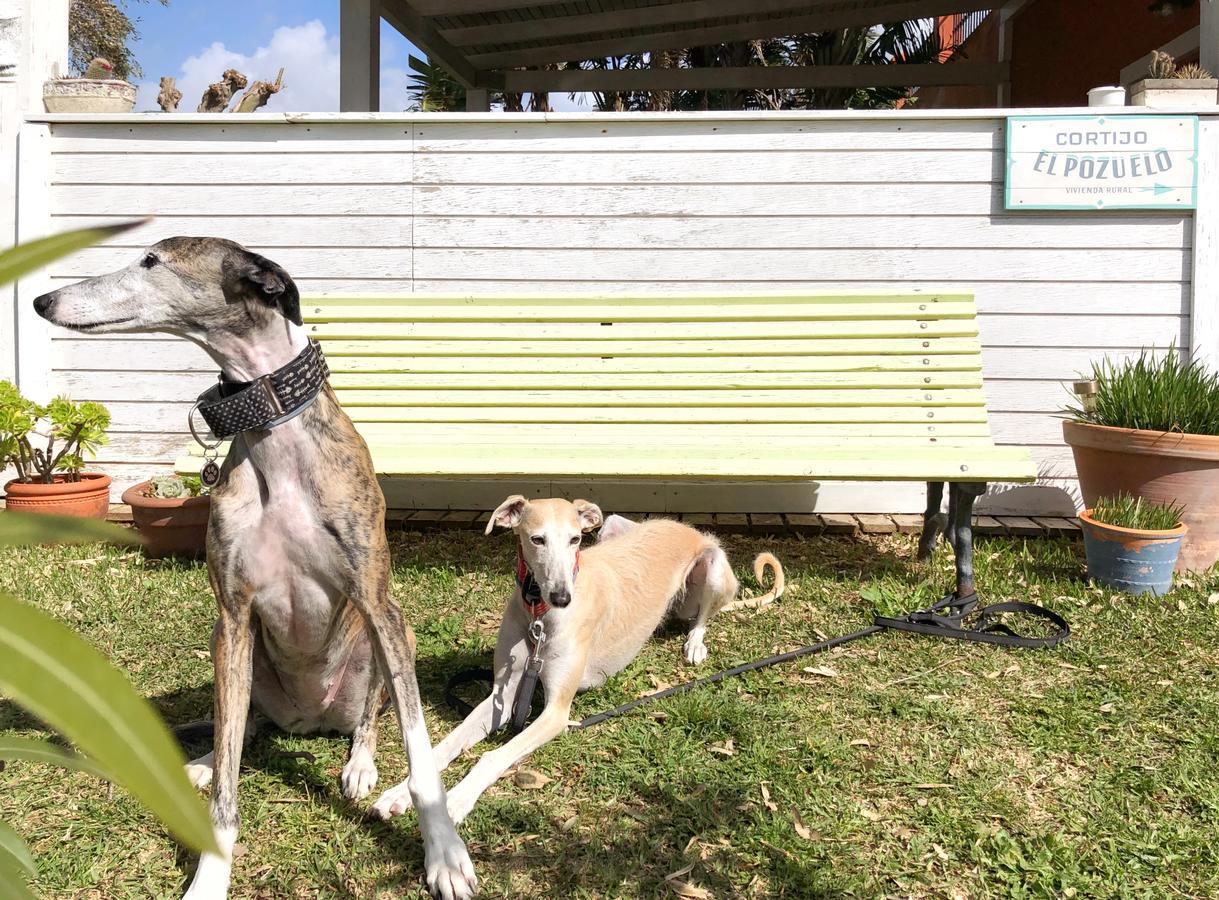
944, 619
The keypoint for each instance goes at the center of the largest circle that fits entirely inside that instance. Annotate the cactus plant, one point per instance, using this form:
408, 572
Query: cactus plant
1162, 64
1192, 70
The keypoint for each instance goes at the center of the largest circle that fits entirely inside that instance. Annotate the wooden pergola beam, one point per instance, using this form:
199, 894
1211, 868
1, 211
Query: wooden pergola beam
662, 39
411, 23
756, 77
619, 19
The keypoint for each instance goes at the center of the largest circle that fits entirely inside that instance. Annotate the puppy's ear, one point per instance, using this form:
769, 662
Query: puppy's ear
251, 274
590, 514
508, 514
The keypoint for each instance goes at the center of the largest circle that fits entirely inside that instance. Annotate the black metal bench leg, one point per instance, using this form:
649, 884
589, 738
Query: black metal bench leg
934, 521
961, 497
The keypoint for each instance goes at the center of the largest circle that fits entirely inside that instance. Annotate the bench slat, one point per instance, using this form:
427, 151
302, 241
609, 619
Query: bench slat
529, 349
693, 397
818, 365
531, 310
877, 414
728, 332
676, 381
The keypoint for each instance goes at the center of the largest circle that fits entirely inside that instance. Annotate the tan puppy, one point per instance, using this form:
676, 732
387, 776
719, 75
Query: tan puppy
597, 608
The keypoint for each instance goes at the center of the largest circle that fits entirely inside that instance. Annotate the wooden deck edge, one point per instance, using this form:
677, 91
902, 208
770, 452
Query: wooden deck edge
759, 524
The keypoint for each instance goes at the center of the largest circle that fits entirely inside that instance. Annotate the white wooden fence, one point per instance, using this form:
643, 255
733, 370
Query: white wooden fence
580, 204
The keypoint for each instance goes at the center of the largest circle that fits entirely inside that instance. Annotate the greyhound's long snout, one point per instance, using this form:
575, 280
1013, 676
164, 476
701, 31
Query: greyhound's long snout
559, 597
43, 304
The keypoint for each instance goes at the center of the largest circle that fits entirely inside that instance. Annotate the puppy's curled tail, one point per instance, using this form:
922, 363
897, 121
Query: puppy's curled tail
761, 563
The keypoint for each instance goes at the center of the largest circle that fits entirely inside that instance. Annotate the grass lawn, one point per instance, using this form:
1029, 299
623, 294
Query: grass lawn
897, 766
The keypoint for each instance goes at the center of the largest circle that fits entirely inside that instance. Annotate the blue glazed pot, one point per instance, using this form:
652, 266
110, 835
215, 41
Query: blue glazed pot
1137, 562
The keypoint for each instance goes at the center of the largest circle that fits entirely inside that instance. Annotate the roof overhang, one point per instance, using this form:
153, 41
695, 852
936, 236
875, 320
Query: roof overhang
488, 43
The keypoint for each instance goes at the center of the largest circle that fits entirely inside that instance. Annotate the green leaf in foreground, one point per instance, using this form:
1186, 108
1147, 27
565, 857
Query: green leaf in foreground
51, 671
18, 529
32, 255
12, 846
31, 750
12, 877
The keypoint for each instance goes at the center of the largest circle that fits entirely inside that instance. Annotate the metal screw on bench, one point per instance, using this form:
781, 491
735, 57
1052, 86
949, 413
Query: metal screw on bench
1086, 391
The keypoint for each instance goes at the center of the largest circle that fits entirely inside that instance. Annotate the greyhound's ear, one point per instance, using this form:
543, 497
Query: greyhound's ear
268, 280
508, 514
590, 514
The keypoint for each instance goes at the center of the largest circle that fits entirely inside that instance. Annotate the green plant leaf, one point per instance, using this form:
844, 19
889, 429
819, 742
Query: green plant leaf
12, 878
18, 529
31, 750
13, 846
32, 255
51, 671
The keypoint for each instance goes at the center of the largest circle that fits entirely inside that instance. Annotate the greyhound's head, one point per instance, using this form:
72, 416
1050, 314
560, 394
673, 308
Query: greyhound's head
549, 532
210, 290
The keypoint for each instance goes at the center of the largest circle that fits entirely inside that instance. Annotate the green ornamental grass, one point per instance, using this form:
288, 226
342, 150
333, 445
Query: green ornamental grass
1126, 511
1156, 392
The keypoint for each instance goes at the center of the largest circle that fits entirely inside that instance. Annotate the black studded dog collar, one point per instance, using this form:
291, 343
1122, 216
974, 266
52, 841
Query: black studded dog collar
230, 407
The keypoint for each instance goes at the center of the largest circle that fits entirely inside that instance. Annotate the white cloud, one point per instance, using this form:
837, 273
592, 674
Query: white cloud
309, 56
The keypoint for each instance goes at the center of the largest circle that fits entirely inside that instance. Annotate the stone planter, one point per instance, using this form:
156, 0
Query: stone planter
87, 95
176, 527
1163, 92
1161, 466
88, 498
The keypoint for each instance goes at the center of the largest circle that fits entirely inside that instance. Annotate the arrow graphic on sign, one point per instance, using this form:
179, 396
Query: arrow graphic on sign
1159, 189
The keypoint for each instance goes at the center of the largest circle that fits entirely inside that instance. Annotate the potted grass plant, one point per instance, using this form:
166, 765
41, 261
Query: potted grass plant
1132, 544
47, 446
171, 513
1168, 84
1149, 427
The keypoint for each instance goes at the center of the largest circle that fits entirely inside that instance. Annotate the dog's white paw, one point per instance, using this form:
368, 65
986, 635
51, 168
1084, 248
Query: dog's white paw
696, 652
450, 873
359, 775
211, 881
199, 771
393, 802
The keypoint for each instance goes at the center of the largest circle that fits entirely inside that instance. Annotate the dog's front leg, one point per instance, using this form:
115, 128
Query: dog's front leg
489, 716
233, 657
360, 773
450, 874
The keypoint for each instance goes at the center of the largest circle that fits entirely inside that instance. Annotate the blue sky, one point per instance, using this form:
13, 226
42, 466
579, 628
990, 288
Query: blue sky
195, 40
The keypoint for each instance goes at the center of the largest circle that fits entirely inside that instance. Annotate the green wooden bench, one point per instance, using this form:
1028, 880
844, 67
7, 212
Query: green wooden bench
740, 388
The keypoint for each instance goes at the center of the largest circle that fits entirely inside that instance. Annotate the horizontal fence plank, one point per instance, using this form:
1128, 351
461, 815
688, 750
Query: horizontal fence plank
272, 138
806, 232
711, 167
642, 137
269, 231
166, 168
370, 262
677, 199
243, 199
721, 265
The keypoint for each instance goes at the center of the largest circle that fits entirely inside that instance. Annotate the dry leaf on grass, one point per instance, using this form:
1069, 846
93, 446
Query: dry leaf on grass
530, 780
680, 873
801, 829
861, 742
869, 813
770, 804
725, 747
823, 671
689, 891
932, 786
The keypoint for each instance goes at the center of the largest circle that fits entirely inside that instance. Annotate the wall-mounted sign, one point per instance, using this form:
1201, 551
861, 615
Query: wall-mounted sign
1102, 162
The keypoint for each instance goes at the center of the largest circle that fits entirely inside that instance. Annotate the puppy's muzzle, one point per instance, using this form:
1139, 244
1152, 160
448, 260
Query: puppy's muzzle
43, 304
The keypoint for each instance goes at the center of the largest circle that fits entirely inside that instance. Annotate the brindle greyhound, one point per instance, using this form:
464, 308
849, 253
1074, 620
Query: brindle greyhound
296, 547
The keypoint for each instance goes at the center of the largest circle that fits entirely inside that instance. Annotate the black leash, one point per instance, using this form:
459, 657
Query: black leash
943, 619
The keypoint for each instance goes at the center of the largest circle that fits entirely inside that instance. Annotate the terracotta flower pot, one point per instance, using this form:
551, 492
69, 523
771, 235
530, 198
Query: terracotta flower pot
1161, 466
88, 498
175, 527
1130, 559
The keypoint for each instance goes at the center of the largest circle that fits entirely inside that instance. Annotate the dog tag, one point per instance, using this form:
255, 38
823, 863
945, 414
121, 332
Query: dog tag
209, 474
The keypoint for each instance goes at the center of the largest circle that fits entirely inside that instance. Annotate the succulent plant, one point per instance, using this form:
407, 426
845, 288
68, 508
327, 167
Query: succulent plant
1162, 64
168, 487
1192, 70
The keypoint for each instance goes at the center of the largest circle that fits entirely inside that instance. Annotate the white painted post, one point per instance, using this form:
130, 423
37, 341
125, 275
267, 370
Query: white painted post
1204, 293
360, 55
1208, 35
